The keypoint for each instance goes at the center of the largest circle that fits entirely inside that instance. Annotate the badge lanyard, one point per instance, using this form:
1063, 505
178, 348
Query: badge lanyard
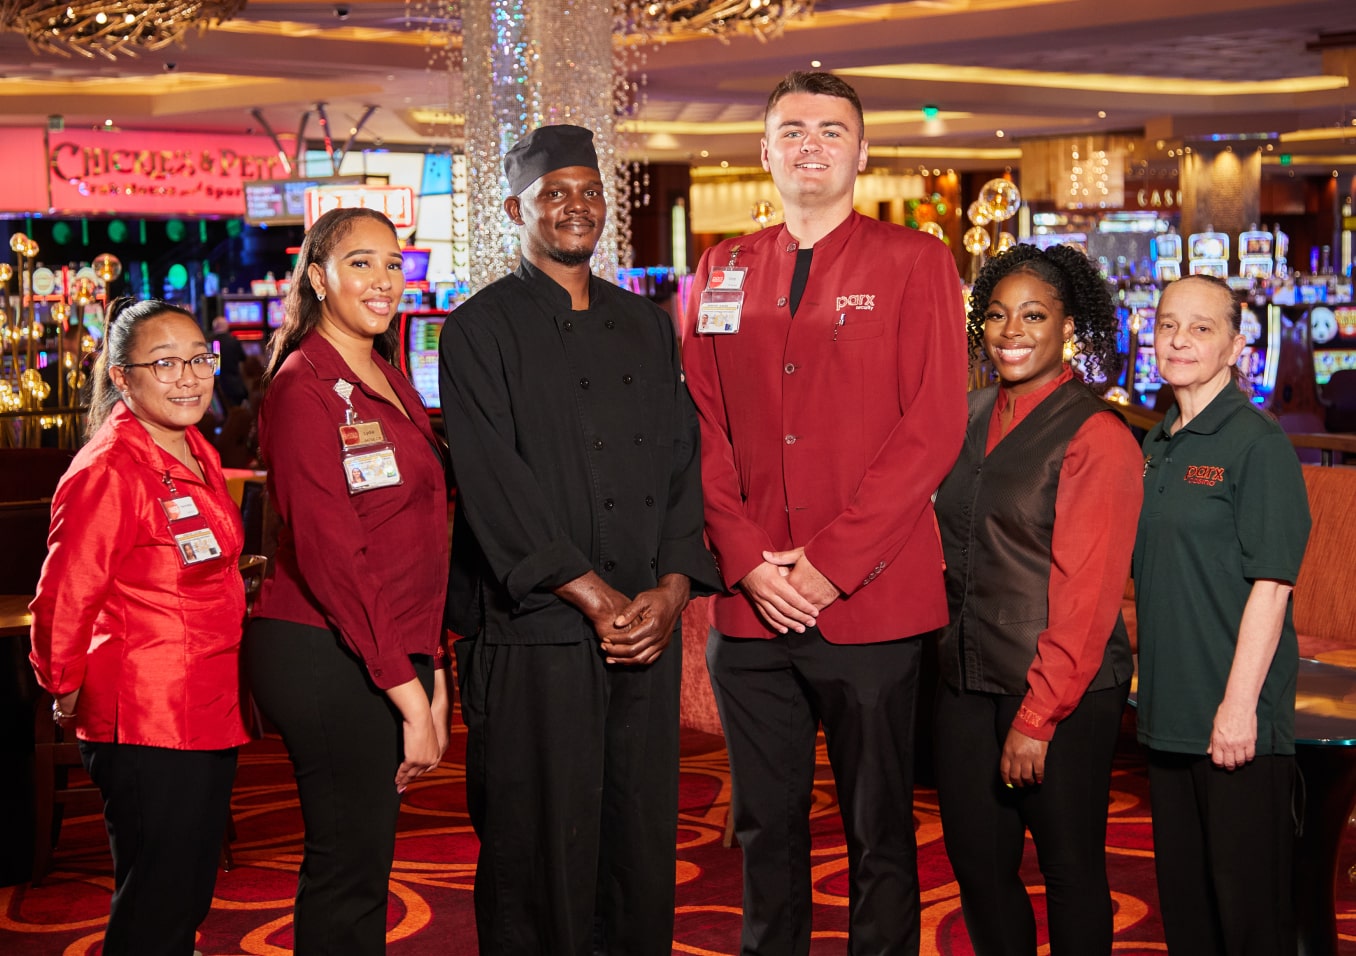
368, 458
193, 538
722, 301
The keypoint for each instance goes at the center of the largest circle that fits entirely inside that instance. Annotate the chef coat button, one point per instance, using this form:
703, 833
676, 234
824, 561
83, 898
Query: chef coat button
649, 501
609, 504
627, 379
781, 301
640, 439
609, 565
790, 247
653, 563
567, 325
609, 324
790, 439
583, 383
790, 367
598, 444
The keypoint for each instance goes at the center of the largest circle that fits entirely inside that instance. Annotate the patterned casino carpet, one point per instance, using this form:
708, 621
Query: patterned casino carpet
430, 909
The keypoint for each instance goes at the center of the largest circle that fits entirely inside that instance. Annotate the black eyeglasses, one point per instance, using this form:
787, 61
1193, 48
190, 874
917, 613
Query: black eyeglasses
169, 370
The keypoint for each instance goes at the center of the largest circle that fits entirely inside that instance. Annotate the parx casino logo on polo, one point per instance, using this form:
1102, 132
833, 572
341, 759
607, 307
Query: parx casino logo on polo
860, 301
1210, 475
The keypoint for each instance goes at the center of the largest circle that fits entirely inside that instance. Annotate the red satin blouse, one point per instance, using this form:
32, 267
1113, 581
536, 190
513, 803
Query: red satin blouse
152, 645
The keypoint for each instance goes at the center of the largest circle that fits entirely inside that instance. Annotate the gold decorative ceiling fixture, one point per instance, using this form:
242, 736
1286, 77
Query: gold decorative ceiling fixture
665, 19
110, 28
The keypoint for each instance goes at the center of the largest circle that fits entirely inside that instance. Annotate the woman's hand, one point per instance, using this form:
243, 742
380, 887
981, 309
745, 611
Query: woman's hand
418, 733
422, 751
63, 708
1023, 762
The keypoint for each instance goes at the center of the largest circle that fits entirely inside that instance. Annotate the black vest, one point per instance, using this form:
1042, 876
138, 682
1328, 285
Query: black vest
997, 517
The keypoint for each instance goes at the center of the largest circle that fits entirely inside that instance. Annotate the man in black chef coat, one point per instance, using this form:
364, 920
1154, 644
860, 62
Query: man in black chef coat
578, 536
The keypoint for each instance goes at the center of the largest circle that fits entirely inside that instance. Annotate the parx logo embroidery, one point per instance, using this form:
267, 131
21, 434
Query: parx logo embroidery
1204, 475
859, 301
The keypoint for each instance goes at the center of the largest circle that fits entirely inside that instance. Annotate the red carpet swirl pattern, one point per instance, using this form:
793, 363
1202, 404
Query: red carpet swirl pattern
431, 909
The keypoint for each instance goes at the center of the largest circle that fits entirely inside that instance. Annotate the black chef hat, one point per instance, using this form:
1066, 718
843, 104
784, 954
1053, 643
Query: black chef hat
547, 148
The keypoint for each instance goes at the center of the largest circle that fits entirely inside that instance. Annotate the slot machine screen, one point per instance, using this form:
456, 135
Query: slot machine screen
415, 264
422, 354
277, 311
244, 311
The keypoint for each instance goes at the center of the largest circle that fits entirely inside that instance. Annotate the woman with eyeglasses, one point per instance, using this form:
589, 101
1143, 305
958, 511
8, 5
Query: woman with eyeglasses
137, 623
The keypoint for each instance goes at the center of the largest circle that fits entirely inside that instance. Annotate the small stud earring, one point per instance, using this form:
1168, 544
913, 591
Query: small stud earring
320, 297
1069, 350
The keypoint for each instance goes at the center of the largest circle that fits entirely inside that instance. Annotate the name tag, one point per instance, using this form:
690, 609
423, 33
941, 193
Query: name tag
358, 434
176, 509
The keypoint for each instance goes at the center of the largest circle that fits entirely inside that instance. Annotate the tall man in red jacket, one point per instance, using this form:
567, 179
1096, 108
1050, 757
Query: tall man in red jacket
827, 361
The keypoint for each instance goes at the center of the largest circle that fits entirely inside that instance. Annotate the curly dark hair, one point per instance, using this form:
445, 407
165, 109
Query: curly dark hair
1078, 284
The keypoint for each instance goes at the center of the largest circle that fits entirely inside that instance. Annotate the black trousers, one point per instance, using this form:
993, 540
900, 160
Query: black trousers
344, 737
984, 823
572, 786
166, 813
772, 695
1223, 852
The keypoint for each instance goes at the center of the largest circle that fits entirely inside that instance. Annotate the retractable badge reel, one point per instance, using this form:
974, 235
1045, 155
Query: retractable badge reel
722, 301
193, 538
368, 458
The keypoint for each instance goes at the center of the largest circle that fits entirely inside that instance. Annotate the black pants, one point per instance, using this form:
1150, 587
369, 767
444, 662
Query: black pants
984, 823
166, 813
1223, 852
344, 738
772, 695
572, 786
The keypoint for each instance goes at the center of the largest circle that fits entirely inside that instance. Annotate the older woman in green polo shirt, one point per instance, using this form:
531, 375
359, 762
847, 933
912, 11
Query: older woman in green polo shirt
1221, 536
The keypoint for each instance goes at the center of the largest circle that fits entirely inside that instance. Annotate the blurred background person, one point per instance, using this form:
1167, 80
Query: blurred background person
1218, 551
344, 651
136, 624
1038, 523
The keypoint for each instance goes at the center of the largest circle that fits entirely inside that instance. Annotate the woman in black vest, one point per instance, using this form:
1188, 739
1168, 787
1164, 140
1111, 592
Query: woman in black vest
1038, 523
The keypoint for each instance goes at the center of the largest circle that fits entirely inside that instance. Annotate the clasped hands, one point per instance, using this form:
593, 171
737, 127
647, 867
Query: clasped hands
632, 631
787, 591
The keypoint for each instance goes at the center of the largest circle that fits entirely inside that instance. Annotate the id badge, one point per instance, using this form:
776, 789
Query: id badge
369, 459
719, 310
197, 546
371, 467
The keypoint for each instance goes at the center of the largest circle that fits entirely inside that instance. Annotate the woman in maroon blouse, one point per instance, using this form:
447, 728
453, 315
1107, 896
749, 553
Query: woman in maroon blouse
346, 634
1038, 522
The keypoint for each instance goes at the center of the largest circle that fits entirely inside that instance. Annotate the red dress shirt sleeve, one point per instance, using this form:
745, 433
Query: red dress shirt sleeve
299, 439
1096, 514
94, 527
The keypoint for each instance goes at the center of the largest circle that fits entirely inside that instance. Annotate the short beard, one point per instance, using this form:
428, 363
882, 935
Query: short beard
569, 258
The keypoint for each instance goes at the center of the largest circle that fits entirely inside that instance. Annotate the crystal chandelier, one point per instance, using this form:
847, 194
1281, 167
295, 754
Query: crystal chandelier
110, 27
661, 19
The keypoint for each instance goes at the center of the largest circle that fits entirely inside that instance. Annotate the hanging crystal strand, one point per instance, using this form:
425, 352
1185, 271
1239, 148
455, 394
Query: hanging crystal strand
527, 65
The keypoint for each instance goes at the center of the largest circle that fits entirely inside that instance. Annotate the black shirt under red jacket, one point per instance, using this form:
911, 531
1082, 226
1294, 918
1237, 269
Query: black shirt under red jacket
372, 566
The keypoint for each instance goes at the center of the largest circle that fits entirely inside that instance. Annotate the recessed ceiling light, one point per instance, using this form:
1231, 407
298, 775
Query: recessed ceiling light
724, 164
1101, 114
999, 133
706, 153
816, 64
